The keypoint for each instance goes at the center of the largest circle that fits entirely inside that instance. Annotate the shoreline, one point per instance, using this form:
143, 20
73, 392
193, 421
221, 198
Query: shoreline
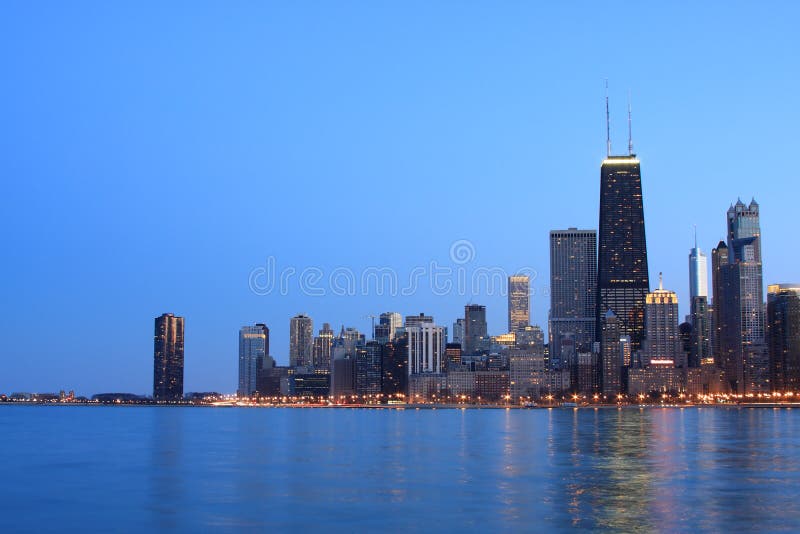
772, 405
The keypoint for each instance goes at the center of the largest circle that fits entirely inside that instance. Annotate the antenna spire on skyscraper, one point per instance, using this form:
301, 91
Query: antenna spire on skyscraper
608, 125
630, 134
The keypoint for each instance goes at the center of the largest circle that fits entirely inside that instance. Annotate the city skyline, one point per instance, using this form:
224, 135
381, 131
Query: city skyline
161, 181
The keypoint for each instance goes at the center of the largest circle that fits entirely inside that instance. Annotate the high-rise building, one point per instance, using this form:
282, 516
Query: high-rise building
475, 329
426, 345
739, 306
349, 339
622, 276
416, 320
253, 350
322, 349
368, 368
301, 341
573, 287
744, 242
394, 322
531, 336
662, 340
394, 379
720, 290
458, 332
168, 358
343, 376
452, 354
383, 333
698, 272
585, 378
783, 336
610, 355
526, 371
519, 307
700, 335
700, 320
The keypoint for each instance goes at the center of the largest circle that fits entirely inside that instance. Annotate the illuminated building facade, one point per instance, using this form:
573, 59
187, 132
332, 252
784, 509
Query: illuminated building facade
394, 370
322, 349
662, 339
452, 353
519, 308
301, 341
168, 358
369, 368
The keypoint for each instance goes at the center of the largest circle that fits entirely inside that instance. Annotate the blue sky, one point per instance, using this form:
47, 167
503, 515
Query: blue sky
155, 153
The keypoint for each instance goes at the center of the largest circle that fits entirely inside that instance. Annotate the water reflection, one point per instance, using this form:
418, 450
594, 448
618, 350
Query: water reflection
166, 465
704, 469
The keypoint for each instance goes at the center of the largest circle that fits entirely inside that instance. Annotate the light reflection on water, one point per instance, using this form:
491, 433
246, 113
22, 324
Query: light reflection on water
168, 469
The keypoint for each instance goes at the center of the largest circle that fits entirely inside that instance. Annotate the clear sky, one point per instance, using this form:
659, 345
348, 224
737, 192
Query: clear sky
155, 154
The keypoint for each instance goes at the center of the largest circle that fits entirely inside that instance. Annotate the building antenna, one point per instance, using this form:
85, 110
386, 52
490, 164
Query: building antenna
661, 281
630, 134
695, 236
608, 125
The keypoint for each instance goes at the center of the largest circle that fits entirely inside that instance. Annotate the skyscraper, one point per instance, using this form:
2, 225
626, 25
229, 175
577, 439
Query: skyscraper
739, 306
699, 317
426, 345
719, 283
700, 335
323, 343
301, 341
519, 308
458, 332
622, 276
475, 329
662, 339
573, 287
744, 242
393, 320
394, 376
253, 350
783, 336
610, 355
698, 272
416, 320
168, 358
368, 368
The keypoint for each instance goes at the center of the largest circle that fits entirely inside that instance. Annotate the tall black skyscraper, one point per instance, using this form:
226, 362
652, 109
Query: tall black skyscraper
168, 358
622, 277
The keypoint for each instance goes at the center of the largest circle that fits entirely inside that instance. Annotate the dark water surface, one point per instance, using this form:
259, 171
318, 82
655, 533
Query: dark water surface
178, 469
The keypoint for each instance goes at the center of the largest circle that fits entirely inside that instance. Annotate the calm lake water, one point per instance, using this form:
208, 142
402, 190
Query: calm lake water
176, 469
